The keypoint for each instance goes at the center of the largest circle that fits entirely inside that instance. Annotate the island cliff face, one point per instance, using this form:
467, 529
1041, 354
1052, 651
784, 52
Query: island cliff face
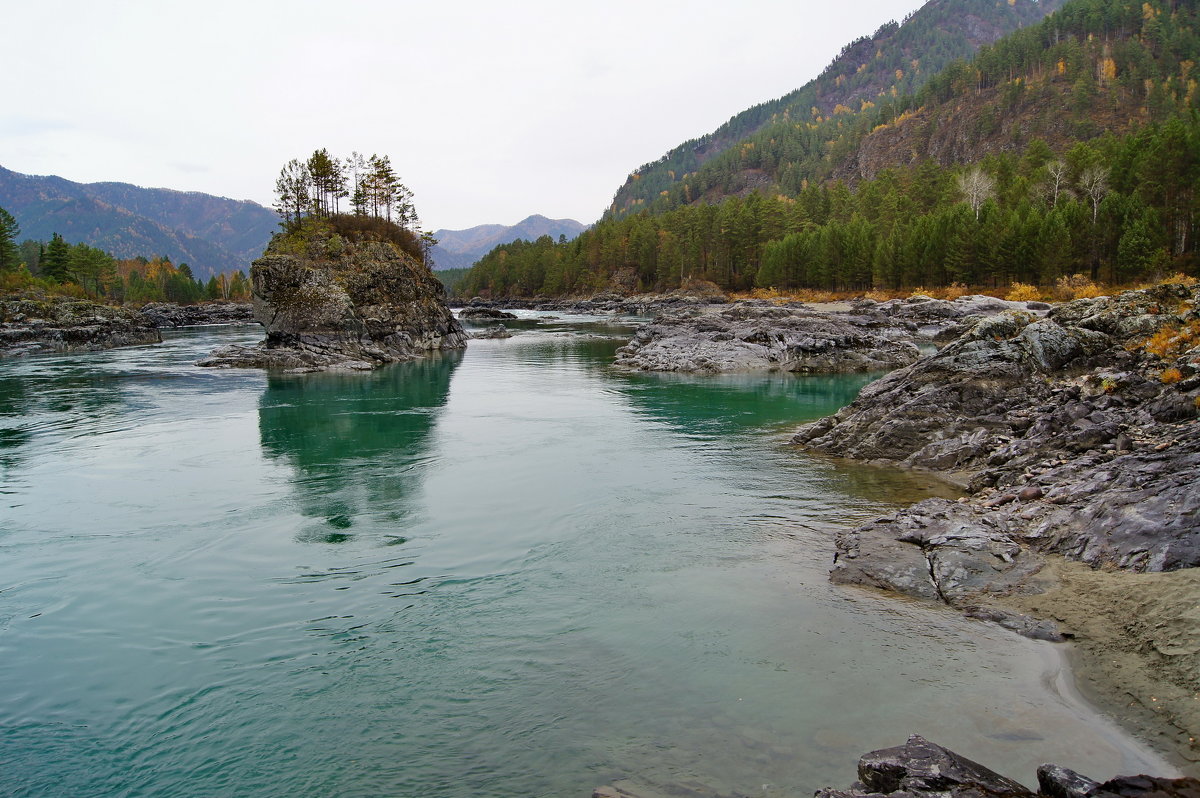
330, 303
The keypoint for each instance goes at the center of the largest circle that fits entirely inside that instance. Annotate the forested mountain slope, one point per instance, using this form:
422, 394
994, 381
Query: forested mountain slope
211, 234
1071, 146
895, 61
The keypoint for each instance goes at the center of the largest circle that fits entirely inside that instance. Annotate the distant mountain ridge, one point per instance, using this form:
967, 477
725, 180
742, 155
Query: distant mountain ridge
211, 234
459, 249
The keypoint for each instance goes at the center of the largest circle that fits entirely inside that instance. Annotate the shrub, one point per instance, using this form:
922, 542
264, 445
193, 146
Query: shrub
954, 291
1023, 292
1171, 376
1077, 286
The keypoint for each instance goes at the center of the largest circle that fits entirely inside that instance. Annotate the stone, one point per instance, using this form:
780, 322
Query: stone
484, 314
1055, 781
31, 326
169, 315
753, 338
357, 305
921, 769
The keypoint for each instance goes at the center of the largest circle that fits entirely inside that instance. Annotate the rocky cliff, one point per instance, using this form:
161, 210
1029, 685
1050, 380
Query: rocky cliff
333, 302
31, 326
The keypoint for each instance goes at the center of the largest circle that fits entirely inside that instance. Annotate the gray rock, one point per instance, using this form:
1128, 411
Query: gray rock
356, 305
495, 331
31, 326
168, 314
921, 769
1056, 781
750, 338
484, 314
1064, 435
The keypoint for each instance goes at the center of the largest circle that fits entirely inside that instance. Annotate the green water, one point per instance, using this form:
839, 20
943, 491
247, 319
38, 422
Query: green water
512, 572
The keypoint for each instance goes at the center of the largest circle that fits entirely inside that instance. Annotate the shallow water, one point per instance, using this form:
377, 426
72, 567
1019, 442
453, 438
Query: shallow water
514, 571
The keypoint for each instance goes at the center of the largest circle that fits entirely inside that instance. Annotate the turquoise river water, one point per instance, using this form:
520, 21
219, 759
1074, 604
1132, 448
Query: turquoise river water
510, 572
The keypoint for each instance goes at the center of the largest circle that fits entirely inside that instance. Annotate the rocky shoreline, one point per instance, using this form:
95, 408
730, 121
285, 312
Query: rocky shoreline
1075, 435
34, 326
170, 315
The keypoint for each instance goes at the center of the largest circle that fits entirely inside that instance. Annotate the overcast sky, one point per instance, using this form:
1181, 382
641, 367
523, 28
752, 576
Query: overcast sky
490, 111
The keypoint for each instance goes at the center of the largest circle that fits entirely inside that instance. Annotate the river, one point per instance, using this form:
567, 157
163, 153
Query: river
509, 572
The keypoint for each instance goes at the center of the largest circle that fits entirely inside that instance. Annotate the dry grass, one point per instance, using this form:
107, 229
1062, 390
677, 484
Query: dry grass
1172, 341
1171, 376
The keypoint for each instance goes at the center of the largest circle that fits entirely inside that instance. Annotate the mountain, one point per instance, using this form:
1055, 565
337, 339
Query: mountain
1065, 152
871, 71
459, 249
210, 234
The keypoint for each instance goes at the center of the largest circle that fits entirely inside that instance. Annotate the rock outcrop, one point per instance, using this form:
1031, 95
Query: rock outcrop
921, 769
484, 314
329, 303
1071, 434
30, 326
748, 338
167, 314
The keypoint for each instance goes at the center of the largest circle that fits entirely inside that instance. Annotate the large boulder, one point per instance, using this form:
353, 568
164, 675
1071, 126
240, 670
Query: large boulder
331, 303
30, 326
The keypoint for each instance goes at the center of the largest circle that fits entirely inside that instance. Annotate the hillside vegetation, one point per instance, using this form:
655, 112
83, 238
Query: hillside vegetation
893, 62
213, 234
1072, 146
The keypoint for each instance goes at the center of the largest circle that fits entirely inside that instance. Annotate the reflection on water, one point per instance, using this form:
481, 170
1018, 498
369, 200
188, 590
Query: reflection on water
548, 575
358, 442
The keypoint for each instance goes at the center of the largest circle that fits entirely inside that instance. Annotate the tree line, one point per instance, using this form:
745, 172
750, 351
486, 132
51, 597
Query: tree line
83, 270
1118, 209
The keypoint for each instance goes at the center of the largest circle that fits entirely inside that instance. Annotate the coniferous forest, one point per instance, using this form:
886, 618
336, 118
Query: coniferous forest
82, 270
1071, 146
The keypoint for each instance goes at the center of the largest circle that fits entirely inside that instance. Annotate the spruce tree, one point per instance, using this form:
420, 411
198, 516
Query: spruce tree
10, 254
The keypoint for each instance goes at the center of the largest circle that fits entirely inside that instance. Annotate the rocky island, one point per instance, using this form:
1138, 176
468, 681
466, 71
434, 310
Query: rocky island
344, 294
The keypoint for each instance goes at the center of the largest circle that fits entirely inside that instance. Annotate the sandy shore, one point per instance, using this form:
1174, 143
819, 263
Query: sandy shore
1136, 649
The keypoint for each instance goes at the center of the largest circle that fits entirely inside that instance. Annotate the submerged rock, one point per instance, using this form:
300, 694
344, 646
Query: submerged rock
31, 326
328, 303
495, 331
748, 338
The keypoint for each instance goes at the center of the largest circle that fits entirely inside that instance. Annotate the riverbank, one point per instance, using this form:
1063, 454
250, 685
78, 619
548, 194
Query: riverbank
1075, 435
1135, 649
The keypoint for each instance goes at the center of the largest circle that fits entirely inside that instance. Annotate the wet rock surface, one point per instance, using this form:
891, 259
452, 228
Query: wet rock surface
921, 769
167, 315
343, 305
484, 314
31, 326
747, 338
